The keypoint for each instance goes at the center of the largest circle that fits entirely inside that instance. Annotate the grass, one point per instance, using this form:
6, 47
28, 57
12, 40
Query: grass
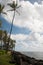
4, 58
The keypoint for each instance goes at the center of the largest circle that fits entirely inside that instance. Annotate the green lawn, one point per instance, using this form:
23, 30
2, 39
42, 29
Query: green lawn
4, 58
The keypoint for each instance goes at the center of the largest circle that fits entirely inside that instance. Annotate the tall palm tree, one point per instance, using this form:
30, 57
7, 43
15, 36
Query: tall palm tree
14, 6
1, 12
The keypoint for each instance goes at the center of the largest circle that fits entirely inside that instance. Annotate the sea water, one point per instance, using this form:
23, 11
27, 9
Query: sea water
37, 55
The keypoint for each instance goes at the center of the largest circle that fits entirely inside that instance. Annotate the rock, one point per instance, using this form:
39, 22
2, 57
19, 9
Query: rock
25, 63
21, 59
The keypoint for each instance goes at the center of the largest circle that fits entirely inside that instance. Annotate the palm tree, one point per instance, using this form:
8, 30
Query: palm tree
14, 6
1, 12
1, 38
0, 24
1, 9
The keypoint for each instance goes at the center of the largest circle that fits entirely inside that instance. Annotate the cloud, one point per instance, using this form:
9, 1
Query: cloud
31, 17
19, 36
32, 42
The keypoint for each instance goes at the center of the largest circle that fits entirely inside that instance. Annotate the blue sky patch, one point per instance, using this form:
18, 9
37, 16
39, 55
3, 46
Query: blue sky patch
32, 1
15, 30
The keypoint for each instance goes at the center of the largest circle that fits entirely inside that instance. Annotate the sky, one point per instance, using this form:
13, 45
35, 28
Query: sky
28, 26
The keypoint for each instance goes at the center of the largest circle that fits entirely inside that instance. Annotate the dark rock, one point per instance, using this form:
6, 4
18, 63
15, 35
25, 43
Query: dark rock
21, 59
25, 63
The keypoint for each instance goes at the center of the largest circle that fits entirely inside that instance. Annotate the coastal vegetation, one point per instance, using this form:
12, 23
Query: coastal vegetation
5, 58
6, 43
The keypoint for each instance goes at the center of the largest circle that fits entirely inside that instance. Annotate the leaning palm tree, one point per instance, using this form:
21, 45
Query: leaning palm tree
1, 12
14, 6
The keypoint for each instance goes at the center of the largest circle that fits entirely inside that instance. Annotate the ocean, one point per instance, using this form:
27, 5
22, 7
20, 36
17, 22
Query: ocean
37, 55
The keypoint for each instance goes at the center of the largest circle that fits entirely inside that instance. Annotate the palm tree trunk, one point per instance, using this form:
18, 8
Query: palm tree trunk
1, 34
11, 29
12, 24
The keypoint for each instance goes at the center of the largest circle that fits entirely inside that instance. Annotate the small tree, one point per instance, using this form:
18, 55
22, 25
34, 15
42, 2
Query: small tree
12, 44
4, 37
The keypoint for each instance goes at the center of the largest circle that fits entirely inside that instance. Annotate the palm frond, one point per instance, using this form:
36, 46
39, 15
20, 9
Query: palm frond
11, 10
3, 7
13, 5
4, 13
19, 6
17, 12
10, 4
16, 3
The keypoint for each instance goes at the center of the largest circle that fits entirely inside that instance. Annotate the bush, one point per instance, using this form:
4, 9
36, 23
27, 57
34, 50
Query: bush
2, 52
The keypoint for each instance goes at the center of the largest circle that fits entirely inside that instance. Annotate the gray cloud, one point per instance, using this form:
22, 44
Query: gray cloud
33, 1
